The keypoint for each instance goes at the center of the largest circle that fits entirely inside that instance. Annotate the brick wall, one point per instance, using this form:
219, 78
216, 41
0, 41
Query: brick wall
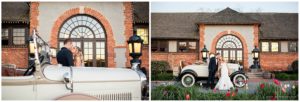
34, 12
20, 59
277, 61
145, 58
174, 58
128, 28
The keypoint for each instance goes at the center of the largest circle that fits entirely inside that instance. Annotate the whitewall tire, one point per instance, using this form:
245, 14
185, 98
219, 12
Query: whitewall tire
188, 80
239, 80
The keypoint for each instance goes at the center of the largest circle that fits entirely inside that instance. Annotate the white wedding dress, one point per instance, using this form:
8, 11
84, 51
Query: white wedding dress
224, 82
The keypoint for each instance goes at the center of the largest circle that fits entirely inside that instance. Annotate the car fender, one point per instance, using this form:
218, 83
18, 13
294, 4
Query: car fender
187, 71
237, 72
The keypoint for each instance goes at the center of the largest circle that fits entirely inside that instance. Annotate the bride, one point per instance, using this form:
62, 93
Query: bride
224, 82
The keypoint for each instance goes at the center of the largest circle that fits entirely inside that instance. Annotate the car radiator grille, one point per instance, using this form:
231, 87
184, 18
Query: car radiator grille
114, 96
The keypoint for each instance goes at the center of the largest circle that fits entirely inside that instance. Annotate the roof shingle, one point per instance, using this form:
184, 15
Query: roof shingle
273, 26
15, 12
140, 12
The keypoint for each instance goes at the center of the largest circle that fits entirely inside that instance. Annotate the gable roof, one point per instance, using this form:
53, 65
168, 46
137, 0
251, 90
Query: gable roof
277, 25
229, 16
273, 26
15, 12
140, 12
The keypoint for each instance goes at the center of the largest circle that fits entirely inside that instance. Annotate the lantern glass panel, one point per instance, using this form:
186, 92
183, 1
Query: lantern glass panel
204, 54
137, 47
31, 47
130, 47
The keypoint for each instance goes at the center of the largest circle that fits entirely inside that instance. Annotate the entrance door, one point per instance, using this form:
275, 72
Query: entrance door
88, 34
230, 48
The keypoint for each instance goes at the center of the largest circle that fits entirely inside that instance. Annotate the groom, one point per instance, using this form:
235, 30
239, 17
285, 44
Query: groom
212, 68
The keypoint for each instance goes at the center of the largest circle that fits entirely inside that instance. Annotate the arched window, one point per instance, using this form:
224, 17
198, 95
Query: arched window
230, 48
88, 34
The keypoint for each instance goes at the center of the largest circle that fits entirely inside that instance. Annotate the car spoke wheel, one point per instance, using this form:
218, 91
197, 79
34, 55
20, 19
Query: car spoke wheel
188, 80
239, 80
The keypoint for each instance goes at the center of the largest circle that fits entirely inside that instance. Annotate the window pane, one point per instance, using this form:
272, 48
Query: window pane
154, 46
19, 36
192, 46
293, 47
172, 46
163, 46
232, 55
239, 55
143, 33
4, 36
284, 46
274, 46
265, 46
225, 55
182, 47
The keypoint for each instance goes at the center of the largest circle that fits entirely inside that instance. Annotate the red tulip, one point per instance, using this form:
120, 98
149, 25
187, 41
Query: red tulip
274, 97
187, 97
276, 81
233, 94
228, 93
262, 86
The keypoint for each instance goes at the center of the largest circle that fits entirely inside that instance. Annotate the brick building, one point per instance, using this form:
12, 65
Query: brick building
181, 36
101, 29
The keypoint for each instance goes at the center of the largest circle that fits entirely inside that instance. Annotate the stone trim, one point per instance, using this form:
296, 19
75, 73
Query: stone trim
237, 34
110, 41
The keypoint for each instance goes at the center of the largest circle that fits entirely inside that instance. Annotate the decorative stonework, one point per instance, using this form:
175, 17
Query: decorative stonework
238, 35
88, 11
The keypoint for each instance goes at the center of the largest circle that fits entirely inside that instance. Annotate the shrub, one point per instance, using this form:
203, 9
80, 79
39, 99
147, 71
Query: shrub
162, 76
286, 76
159, 67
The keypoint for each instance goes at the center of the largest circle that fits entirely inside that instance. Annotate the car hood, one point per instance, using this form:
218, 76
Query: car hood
56, 72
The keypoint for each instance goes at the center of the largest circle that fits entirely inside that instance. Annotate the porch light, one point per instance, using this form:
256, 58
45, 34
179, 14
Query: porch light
204, 52
135, 48
255, 54
31, 47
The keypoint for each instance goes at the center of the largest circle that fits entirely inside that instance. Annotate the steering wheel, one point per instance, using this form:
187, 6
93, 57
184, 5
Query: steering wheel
31, 67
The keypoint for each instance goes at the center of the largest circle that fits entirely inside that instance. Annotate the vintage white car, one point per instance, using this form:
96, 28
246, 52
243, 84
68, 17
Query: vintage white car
43, 81
190, 74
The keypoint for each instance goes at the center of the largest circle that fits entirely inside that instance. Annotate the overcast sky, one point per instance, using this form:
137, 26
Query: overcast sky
291, 7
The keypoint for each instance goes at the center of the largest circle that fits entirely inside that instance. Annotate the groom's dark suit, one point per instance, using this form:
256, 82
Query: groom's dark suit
212, 68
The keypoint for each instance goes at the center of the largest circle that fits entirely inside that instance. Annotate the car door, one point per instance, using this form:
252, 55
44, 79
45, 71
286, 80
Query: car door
18, 88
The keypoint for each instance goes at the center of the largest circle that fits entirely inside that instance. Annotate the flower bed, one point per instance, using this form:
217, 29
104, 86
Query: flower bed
264, 91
